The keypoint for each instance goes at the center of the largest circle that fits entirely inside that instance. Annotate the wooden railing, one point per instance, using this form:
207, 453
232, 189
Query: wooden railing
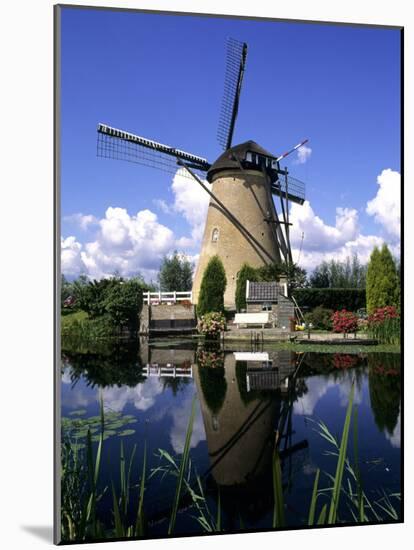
167, 297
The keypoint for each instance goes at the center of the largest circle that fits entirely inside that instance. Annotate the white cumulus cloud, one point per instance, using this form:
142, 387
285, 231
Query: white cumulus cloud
71, 261
142, 396
180, 424
324, 242
395, 437
304, 154
362, 245
128, 244
191, 201
319, 235
163, 206
386, 205
84, 221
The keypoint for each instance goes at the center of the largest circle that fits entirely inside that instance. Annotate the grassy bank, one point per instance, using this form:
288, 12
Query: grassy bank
282, 345
317, 348
78, 328
337, 348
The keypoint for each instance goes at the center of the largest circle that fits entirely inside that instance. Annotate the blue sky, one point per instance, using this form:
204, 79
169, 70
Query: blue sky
161, 76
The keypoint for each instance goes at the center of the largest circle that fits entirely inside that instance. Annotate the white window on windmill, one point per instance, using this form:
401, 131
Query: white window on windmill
215, 235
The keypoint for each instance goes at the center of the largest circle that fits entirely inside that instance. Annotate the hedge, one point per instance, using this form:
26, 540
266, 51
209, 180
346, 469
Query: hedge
351, 299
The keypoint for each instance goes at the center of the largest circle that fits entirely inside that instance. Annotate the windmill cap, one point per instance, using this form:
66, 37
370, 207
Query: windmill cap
227, 161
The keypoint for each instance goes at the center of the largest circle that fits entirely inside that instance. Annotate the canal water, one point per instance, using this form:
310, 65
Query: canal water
244, 399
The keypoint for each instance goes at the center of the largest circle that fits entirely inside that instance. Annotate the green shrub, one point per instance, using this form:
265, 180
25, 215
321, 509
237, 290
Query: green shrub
213, 285
320, 317
123, 302
79, 327
351, 299
246, 273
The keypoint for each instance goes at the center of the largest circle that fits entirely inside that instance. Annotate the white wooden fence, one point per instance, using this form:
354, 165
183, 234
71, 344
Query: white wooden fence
167, 297
167, 371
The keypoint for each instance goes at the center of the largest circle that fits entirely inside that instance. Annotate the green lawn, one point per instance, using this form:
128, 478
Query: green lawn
67, 319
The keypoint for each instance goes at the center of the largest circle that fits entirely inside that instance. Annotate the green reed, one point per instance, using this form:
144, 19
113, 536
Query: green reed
346, 484
386, 332
79, 504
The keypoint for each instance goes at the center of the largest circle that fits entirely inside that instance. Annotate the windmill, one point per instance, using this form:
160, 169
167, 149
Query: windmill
243, 223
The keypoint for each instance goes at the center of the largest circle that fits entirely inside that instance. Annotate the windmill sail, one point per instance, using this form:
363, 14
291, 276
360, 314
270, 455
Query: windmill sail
291, 188
120, 145
236, 62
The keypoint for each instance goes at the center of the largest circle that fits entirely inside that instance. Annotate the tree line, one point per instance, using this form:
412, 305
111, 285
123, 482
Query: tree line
119, 300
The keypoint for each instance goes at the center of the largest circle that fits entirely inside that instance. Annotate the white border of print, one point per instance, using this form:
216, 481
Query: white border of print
26, 274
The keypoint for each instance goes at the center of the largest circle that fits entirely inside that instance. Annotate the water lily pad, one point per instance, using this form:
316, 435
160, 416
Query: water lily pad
94, 419
78, 446
112, 414
93, 430
126, 432
115, 425
80, 434
97, 437
78, 412
77, 424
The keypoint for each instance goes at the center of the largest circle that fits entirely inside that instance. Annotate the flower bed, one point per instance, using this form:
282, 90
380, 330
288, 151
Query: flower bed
211, 324
384, 325
345, 322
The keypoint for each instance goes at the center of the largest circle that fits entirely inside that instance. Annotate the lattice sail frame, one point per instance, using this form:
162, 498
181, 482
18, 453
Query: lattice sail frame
120, 145
236, 58
295, 189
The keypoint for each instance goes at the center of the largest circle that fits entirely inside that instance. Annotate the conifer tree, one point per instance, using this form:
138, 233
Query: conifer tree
390, 285
246, 273
382, 280
213, 285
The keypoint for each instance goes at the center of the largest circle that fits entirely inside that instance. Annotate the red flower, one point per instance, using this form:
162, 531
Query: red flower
344, 321
380, 314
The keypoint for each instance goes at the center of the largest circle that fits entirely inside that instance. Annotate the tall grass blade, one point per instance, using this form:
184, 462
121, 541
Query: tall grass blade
312, 506
89, 513
123, 481
183, 467
360, 499
336, 490
100, 444
322, 515
128, 480
278, 506
119, 528
218, 521
139, 524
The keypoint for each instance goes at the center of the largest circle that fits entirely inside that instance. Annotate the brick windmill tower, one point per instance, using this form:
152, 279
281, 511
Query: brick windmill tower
243, 224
